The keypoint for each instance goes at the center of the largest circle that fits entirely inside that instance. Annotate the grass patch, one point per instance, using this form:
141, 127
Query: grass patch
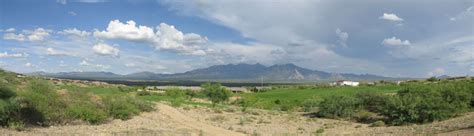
288, 98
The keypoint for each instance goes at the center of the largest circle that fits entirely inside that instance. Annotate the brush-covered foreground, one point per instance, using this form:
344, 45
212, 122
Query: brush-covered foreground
380, 105
409, 102
32, 101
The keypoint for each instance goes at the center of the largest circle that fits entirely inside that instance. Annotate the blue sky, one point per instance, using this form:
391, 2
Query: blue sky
392, 38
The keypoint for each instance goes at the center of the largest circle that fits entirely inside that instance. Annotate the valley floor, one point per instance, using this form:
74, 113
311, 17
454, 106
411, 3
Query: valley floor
195, 120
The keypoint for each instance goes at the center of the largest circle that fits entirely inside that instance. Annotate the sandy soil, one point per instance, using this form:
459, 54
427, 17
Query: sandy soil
195, 120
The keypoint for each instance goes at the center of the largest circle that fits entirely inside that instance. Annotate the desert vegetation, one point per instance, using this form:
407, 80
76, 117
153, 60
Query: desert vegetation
414, 103
35, 101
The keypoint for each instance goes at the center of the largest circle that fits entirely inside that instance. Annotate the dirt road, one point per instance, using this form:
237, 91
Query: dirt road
188, 122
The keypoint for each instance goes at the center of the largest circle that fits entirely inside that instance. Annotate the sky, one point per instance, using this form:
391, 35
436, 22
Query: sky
396, 38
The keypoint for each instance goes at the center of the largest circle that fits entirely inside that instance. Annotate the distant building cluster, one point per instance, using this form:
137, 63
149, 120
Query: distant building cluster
344, 83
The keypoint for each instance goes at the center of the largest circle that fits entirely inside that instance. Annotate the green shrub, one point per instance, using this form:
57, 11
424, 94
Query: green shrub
372, 100
142, 105
426, 103
285, 106
215, 92
8, 109
432, 79
245, 102
120, 108
17, 125
311, 104
364, 116
338, 106
377, 124
6, 92
175, 93
89, 113
319, 131
126, 89
143, 93
41, 103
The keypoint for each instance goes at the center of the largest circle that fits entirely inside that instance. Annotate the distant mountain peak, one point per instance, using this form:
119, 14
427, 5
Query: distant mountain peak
230, 72
296, 76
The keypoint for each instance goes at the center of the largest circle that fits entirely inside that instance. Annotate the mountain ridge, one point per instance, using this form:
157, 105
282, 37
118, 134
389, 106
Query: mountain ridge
229, 72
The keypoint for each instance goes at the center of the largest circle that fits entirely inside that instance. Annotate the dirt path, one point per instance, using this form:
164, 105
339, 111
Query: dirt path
180, 118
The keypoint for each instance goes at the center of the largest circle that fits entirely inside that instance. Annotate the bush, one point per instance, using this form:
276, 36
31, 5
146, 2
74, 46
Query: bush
87, 113
216, 93
7, 111
285, 106
6, 92
7, 107
321, 130
311, 104
372, 101
142, 105
175, 93
432, 79
365, 116
422, 103
339, 106
143, 93
120, 108
126, 89
41, 103
377, 124
245, 102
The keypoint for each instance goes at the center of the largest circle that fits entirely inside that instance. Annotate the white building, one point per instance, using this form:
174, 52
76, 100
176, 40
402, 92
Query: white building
344, 83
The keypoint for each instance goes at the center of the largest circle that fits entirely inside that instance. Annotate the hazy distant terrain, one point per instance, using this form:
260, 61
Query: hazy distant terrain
230, 72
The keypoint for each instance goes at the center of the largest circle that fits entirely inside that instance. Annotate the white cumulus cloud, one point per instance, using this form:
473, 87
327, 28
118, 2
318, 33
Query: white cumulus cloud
39, 34
395, 42
88, 64
84, 63
72, 13
166, 37
53, 52
15, 37
106, 50
36, 35
14, 55
170, 38
436, 72
62, 1
75, 33
343, 36
9, 30
469, 12
28, 64
128, 31
390, 17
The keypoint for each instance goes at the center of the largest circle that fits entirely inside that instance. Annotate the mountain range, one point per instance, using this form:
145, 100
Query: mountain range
229, 72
